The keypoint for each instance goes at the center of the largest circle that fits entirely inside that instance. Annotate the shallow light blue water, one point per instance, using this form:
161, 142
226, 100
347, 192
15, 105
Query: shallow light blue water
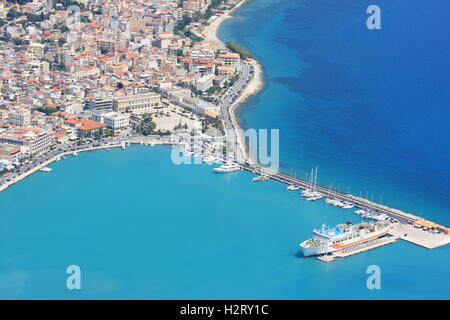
141, 227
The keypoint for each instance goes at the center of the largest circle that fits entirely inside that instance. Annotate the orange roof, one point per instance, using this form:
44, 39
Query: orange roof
229, 55
85, 124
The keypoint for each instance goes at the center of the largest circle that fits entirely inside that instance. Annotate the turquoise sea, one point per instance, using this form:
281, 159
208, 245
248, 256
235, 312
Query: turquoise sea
140, 227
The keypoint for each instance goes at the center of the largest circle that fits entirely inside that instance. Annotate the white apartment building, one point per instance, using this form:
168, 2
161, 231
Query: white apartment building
99, 104
20, 117
113, 120
205, 82
37, 140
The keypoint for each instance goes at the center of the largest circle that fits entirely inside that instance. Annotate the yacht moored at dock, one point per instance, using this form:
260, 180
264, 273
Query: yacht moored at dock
227, 167
260, 178
46, 169
328, 240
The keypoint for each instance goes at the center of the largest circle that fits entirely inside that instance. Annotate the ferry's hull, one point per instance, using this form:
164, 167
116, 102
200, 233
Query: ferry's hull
309, 252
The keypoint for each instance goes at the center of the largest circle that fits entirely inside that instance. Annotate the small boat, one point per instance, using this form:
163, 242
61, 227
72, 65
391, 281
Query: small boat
293, 187
311, 195
331, 201
338, 203
208, 159
75, 154
314, 197
46, 169
227, 168
348, 205
360, 212
57, 159
260, 178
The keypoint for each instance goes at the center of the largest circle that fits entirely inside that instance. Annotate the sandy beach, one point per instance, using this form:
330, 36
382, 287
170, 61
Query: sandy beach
209, 33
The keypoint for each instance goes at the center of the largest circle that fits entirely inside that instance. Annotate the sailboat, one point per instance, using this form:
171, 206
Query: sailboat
293, 186
312, 194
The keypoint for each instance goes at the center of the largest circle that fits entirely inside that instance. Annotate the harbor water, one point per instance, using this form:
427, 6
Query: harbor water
141, 227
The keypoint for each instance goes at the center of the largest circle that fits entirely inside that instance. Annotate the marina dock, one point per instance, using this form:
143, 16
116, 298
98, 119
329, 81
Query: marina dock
403, 230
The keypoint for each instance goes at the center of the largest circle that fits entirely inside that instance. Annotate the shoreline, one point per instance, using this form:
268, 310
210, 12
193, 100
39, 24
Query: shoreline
67, 153
210, 32
256, 83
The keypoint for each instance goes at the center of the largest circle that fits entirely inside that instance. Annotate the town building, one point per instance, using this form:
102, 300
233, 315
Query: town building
136, 103
84, 127
113, 120
20, 117
37, 141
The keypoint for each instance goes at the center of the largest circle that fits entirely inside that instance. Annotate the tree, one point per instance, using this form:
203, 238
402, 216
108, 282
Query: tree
208, 13
46, 110
244, 53
61, 66
216, 3
64, 29
12, 14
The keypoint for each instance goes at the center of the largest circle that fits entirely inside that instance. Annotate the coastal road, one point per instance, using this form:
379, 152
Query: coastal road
230, 123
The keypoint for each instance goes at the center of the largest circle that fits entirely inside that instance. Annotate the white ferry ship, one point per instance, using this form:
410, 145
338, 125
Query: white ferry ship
228, 167
328, 240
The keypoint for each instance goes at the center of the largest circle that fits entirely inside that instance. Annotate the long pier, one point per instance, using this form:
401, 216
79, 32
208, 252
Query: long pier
359, 202
403, 230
